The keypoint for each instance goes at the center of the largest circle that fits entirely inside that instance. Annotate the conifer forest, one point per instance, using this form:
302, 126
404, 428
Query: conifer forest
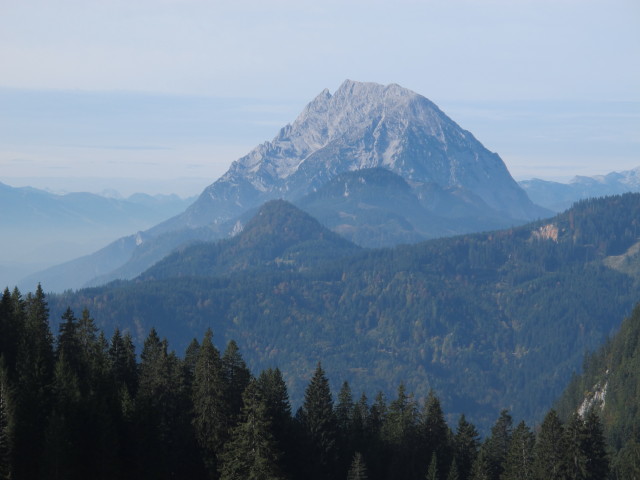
78, 405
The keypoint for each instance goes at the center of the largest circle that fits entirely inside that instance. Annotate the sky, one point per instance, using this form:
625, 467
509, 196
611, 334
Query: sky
162, 95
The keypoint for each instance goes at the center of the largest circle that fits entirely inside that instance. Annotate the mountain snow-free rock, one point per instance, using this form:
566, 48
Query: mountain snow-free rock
362, 125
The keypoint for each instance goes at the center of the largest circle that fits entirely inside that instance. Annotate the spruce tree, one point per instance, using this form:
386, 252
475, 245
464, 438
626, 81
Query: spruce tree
498, 444
190, 360
319, 422
124, 367
400, 433
236, 377
378, 414
210, 415
401, 420
626, 463
358, 469
453, 472
435, 432
481, 468
63, 442
519, 461
575, 455
35, 364
10, 330
273, 391
68, 344
550, 451
344, 408
466, 445
343, 411
595, 447
362, 437
162, 410
251, 452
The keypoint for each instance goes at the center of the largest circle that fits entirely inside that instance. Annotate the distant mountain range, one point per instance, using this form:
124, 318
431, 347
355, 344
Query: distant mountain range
490, 321
382, 165
40, 228
560, 196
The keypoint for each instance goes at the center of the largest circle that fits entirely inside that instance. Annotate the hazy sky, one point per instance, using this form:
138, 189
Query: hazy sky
169, 92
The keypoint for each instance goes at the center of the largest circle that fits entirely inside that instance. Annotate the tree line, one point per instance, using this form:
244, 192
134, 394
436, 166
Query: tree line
80, 405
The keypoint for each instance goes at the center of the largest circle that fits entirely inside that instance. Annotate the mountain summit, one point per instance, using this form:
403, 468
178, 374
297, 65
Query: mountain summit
379, 164
363, 125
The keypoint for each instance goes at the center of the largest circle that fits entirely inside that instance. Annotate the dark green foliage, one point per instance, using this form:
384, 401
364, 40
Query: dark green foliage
519, 462
122, 358
6, 424
594, 445
276, 398
62, 434
318, 418
436, 436
575, 443
236, 377
251, 452
466, 443
210, 416
162, 408
481, 469
401, 436
34, 367
626, 464
11, 310
190, 360
550, 448
344, 407
498, 444
609, 391
273, 390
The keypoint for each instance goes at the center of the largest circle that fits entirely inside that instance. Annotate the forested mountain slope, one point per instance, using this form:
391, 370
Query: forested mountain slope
490, 321
279, 236
610, 384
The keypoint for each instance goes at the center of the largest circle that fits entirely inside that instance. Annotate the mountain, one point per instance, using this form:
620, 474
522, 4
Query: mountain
279, 236
459, 185
490, 321
362, 125
610, 383
40, 228
560, 196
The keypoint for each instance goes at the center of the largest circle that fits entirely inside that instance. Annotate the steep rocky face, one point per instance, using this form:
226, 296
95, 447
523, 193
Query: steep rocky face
363, 125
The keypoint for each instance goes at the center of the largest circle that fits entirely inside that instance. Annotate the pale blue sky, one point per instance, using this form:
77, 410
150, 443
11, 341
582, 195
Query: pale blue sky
170, 92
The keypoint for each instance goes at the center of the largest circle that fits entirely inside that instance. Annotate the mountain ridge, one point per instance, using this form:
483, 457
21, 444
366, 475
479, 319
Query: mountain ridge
490, 321
558, 196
